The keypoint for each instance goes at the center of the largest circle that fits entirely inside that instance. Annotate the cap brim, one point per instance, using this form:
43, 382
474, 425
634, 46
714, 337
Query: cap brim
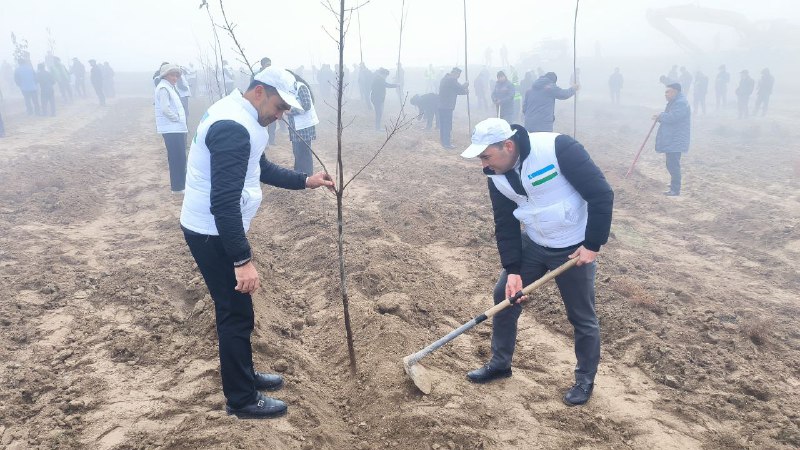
473, 150
290, 99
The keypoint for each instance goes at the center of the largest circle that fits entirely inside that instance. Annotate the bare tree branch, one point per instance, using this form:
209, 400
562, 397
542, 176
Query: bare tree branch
229, 27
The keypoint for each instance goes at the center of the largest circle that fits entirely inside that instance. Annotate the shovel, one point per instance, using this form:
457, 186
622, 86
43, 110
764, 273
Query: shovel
419, 374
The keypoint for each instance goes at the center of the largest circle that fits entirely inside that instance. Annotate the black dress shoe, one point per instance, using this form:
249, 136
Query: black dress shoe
671, 193
578, 394
268, 381
263, 408
486, 374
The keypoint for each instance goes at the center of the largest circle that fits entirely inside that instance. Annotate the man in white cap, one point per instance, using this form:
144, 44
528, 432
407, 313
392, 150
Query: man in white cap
548, 183
225, 168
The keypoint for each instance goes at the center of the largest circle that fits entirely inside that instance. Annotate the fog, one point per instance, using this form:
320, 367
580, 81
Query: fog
137, 36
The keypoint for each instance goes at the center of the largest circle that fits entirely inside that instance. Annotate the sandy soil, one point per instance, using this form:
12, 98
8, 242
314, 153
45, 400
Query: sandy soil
107, 335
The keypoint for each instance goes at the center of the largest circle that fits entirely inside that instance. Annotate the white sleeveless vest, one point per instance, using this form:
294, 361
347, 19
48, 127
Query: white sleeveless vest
308, 118
196, 211
553, 212
163, 124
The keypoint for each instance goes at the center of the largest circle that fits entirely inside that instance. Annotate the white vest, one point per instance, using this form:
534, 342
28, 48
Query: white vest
163, 124
553, 212
196, 211
308, 118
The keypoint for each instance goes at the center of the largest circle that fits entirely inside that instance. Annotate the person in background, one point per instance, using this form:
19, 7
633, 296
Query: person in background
25, 79
700, 91
482, 88
79, 72
427, 106
673, 135
183, 91
303, 126
540, 102
47, 93
171, 124
765, 85
96, 77
743, 92
108, 80
615, 85
449, 90
61, 75
503, 97
378, 95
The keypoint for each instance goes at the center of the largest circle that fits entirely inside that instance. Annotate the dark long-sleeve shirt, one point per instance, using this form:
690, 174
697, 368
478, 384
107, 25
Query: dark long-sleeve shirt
581, 172
229, 145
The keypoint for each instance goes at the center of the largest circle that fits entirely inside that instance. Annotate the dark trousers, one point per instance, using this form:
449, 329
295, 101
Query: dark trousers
722, 97
31, 102
48, 101
98, 89
303, 160
378, 106
234, 316
577, 292
445, 125
674, 168
176, 158
66, 91
699, 103
430, 116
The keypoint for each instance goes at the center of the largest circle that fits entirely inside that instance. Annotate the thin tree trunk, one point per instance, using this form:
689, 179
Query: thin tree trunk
340, 194
466, 70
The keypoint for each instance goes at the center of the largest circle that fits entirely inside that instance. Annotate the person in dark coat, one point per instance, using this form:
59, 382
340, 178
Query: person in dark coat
700, 91
765, 85
721, 86
685, 79
673, 135
79, 72
615, 85
449, 90
743, 92
540, 102
378, 95
503, 97
46, 91
481, 89
96, 77
427, 105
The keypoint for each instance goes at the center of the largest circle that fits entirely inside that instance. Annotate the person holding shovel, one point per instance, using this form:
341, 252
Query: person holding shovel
547, 183
674, 130
225, 168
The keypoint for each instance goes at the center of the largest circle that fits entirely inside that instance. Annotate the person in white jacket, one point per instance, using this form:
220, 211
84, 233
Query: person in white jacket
171, 124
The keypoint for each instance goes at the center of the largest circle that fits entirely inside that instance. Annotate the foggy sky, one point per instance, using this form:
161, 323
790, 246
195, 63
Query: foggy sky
137, 35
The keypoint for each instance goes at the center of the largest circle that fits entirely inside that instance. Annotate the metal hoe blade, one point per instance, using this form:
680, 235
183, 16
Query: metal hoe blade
419, 374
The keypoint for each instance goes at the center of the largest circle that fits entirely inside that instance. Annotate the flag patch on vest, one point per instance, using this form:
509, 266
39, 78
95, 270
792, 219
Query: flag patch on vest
543, 175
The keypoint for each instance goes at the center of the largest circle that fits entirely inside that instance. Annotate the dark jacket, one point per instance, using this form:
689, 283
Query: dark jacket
765, 85
580, 171
378, 92
674, 128
46, 81
449, 90
700, 85
426, 104
503, 95
746, 87
540, 104
229, 145
96, 75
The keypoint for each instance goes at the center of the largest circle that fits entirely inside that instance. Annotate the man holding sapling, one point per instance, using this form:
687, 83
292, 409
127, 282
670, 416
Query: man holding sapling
225, 168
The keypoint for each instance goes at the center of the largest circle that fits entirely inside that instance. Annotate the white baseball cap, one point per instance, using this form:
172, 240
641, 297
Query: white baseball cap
283, 81
486, 133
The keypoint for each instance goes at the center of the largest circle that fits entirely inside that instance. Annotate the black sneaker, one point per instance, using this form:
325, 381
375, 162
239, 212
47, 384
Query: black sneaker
268, 381
263, 408
486, 374
578, 394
